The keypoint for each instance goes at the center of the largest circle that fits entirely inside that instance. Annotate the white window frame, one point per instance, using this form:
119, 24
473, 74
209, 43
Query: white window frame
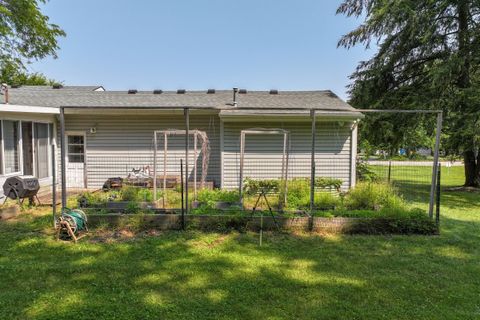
19, 146
51, 137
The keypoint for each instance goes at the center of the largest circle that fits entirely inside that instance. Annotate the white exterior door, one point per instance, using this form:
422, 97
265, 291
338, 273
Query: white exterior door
75, 160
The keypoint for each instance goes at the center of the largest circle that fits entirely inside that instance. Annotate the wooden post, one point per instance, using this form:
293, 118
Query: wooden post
312, 163
62, 156
187, 146
435, 164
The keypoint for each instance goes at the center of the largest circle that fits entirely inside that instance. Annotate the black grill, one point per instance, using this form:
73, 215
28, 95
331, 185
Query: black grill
21, 187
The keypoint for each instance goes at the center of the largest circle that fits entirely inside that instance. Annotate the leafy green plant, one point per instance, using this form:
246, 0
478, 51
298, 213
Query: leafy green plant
132, 207
373, 196
365, 173
328, 183
252, 186
209, 198
129, 193
326, 200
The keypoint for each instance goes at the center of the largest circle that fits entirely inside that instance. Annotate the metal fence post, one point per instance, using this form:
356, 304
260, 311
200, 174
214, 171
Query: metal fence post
187, 147
155, 167
435, 164
62, 158
54, 187
389, 170
312, 163
437, 211
242, 159
181, 191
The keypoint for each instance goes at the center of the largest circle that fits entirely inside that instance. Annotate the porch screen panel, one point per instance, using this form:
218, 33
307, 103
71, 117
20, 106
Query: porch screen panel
41, 149
10, 144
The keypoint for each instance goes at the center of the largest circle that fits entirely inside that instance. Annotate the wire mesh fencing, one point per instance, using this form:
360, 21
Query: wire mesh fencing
300, 166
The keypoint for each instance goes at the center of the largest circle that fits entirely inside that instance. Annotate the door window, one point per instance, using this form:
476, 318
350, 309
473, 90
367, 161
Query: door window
76, 149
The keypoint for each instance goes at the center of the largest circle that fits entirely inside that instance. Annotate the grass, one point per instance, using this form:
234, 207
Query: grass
190, 275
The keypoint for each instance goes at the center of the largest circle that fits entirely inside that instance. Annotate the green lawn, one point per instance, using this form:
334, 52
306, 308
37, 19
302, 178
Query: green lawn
190, 275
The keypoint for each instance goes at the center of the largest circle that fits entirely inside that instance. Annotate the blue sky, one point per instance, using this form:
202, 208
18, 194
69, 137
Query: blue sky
194, 44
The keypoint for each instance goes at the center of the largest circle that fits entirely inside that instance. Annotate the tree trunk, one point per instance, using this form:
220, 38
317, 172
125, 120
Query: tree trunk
472, 169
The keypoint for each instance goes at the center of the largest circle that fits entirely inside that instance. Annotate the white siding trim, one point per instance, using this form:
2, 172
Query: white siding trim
28, 109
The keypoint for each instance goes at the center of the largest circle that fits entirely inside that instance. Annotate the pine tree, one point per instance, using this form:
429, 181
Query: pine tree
428, 58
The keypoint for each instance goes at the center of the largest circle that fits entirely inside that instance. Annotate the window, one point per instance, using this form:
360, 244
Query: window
75, 149
10, 135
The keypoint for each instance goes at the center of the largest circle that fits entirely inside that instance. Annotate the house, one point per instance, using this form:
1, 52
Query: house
108, 133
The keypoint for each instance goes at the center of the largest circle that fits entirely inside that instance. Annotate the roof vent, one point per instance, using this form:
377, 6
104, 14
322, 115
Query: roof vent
274, 91
210, 91
157, 91
242, 91
57, 86
181, 91
132, 91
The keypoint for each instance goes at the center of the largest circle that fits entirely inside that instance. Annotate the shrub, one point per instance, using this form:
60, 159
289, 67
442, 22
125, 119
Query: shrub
373, 196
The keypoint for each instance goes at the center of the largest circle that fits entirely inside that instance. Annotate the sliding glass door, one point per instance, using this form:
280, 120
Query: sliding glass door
41, 150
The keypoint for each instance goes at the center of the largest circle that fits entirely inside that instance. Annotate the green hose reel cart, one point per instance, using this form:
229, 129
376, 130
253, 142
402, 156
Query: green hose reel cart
72, 225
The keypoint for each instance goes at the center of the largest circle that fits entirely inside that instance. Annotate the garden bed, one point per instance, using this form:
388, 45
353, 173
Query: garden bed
222, 223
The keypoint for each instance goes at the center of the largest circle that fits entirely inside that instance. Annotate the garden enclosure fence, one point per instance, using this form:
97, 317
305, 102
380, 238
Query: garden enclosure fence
301, 159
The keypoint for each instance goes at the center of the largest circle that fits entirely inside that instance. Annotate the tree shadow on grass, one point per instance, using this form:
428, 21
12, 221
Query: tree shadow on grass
200, 276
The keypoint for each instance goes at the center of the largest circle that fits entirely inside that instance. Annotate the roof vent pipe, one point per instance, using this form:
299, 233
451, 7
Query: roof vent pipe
4, 91
235, 90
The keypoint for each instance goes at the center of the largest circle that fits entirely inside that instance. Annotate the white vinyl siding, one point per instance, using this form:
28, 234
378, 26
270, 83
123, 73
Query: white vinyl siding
263, 153
121, 143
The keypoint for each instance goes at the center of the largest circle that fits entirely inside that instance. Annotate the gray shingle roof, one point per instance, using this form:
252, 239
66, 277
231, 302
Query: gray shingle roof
70, 96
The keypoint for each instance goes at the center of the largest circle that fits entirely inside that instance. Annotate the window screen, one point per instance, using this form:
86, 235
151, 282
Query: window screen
10, 144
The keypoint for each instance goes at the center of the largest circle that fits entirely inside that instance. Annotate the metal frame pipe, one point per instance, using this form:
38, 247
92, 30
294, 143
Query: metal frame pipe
312, 163
435, 163
187, 147
62, 158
